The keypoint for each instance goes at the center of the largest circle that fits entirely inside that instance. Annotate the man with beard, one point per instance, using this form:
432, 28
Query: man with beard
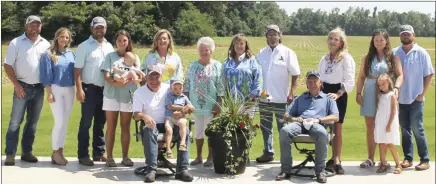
22, 67
89, 80
418, 71
278, 63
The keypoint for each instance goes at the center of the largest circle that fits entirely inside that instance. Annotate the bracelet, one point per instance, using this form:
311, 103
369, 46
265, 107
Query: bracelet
358, 94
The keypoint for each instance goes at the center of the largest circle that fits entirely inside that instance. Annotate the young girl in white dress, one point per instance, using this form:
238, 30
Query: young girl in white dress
386, 132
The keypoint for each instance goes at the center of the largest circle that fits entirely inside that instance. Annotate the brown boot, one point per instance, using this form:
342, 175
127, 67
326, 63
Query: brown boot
265, 158
422, 166
29, 157
56, 158
86, 161
406, 164
61, 150
100, 158
10, 160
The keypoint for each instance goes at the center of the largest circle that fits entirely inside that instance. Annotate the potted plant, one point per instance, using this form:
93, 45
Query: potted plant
231, 135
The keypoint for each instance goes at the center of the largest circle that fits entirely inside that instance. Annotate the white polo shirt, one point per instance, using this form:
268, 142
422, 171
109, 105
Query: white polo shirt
278, 66
151, 103
90, 56
24, 55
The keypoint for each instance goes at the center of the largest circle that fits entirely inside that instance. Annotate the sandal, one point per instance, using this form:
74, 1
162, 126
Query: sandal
208, 163
197, 161
398, 169
169, 154
182, 147
110, 162
383, 168
367, 163
127, 162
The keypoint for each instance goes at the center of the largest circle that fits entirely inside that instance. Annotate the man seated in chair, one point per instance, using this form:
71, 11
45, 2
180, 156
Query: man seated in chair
308, 114
149, 106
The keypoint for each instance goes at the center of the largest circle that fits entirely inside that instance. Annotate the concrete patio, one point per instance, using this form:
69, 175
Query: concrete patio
44, 172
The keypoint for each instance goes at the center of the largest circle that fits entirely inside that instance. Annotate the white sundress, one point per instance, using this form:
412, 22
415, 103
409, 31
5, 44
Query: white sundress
381, 121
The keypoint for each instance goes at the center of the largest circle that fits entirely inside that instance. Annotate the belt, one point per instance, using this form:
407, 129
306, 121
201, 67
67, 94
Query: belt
371, 77
25, 85
331, 83
91, 85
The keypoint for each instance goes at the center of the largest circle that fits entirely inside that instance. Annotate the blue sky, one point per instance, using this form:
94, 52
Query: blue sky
424, 7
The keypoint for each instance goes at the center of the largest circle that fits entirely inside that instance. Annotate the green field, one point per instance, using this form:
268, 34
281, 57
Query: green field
309, 50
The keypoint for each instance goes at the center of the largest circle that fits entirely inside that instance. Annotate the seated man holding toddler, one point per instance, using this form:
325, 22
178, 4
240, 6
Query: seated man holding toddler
149, 106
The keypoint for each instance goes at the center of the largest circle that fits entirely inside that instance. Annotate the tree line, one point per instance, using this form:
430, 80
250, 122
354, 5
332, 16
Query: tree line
188, 21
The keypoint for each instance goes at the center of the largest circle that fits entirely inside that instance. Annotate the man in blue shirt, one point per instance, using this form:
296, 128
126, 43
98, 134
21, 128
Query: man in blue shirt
90, 55
307, 113
418, 71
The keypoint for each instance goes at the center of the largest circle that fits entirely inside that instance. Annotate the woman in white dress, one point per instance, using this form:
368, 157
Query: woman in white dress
386, 132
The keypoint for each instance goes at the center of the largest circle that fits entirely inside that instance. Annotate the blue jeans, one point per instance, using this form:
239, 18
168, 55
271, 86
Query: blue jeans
411, 120
288, 132
32, 103
92, 107
149, 141
266, 120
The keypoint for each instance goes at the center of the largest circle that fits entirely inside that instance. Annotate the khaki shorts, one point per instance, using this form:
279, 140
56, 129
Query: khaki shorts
171, 121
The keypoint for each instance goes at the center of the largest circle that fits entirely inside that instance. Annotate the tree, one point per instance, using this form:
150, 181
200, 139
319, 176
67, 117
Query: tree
191, 25
10, 22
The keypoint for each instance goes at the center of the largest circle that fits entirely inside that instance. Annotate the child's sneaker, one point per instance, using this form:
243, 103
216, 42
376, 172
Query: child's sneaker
182, 147
169, 154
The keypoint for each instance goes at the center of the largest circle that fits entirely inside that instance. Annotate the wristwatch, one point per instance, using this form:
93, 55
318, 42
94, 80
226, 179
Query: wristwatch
341, 92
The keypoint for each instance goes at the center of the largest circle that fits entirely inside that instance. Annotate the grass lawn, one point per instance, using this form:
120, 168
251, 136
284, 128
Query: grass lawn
309, 50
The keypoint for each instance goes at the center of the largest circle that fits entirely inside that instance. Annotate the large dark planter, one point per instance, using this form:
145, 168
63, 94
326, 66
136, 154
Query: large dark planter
219, 150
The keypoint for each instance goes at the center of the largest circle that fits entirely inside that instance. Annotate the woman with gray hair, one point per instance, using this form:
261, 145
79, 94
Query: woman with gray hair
204, 87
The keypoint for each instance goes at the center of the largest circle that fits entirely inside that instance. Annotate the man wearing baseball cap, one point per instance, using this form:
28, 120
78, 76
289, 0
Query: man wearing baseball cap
22, 67
418, 71
308, 114
149, 107
89, 81
279, 64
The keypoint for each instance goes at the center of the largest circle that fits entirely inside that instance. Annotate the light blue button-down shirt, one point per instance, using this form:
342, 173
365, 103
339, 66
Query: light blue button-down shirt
90, 56
306, 106
61, 73
416, 65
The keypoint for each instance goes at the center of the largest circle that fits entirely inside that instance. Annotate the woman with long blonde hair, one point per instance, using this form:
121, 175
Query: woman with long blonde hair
57, 76
337, 71
162, 53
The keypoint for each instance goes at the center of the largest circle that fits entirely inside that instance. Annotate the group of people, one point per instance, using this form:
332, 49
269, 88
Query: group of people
111, 83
